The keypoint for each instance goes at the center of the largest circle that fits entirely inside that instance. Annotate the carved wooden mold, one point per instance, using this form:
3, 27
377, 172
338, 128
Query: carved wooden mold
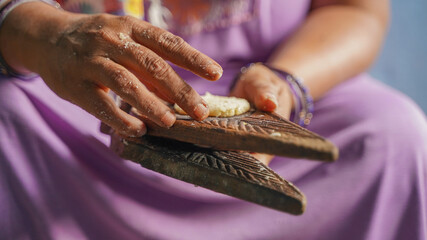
236, 173
254, 131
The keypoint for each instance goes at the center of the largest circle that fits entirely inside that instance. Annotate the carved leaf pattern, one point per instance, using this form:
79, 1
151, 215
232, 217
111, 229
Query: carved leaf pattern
207, 167
259, 124
237, 164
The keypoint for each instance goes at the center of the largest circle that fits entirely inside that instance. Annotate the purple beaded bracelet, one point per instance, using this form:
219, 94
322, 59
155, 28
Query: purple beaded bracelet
5, 69
303, 109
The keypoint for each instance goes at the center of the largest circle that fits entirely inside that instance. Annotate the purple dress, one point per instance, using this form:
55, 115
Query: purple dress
59, 180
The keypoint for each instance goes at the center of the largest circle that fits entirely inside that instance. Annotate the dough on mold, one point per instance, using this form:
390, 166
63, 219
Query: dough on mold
220, 106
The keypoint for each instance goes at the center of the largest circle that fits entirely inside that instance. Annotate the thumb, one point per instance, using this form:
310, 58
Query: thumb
264, 94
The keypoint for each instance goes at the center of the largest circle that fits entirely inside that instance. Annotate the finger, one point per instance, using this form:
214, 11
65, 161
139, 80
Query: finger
264, 158
163, 78
153, 89
176, 50
104, 128
285, 100
161, 95
125, 106
132, 91
97, 102
262, 92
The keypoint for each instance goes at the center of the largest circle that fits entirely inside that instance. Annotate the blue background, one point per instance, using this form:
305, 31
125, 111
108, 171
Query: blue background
402, 63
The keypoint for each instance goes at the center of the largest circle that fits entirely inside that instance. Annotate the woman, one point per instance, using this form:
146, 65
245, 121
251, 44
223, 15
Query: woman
58, 181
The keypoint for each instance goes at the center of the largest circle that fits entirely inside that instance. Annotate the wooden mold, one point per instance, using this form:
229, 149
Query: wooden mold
222, 165
236, 174
254, 131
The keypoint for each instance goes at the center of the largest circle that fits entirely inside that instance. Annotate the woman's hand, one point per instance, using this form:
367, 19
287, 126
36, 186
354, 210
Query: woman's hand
264, 89
82, 57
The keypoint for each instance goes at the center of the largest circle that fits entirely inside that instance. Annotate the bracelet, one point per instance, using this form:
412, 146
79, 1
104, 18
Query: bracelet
303, 109
5, 69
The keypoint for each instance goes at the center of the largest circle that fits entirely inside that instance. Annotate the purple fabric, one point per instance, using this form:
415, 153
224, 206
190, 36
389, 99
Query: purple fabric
251, 41
59, 180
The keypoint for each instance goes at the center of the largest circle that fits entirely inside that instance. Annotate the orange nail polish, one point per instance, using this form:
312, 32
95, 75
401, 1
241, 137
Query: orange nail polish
271, 102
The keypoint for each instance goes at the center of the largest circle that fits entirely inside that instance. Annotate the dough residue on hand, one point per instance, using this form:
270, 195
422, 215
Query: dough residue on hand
220, 106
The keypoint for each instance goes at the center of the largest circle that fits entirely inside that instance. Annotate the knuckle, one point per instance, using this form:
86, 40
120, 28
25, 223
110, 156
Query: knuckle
101, 18
116, 121
102, 110
195, 57
149, 106
124, 127
106, 116
158, 68
184, 94
120, 81
163, 73
133, 87
98, 39
103, 34
141, 29
117, 79
170, 41
142, 57
126, 19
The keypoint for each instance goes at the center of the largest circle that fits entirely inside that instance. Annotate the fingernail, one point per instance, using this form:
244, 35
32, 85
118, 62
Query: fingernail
215, 71
142, 131
201, 111
168, 119
205, 103
271, 97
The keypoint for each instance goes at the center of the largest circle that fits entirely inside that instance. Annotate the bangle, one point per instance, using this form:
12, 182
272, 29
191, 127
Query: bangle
5, 69
303, 107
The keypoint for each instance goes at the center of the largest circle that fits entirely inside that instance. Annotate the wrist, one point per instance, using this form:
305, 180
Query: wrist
303, 102
26, 33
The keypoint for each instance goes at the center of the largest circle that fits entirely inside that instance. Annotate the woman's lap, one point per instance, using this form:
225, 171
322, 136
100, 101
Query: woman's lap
376, 190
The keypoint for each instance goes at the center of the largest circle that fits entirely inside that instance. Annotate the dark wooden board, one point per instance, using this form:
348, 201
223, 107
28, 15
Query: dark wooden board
176, 152
254, 131
236, 174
